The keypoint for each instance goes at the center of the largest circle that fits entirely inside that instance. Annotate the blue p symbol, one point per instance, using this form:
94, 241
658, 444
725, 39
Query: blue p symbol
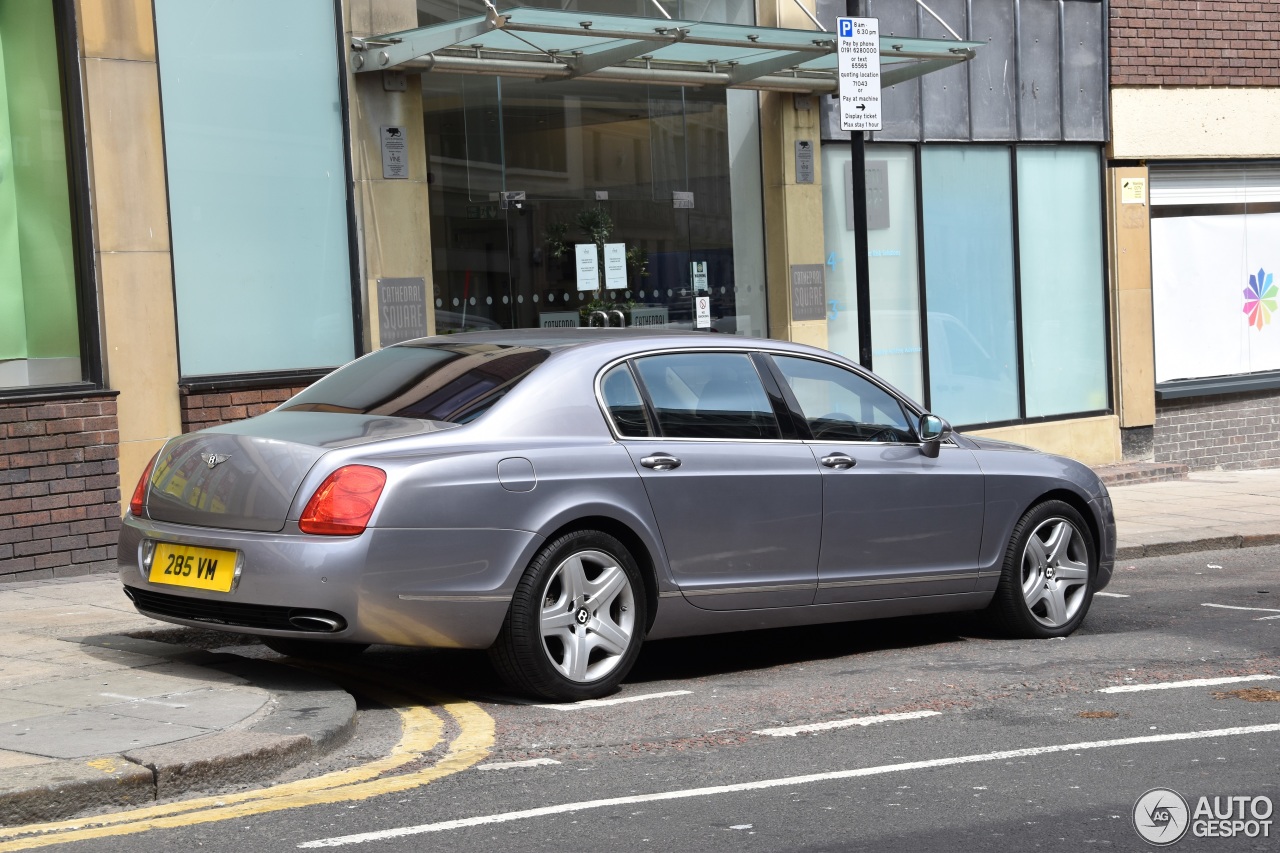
846, 28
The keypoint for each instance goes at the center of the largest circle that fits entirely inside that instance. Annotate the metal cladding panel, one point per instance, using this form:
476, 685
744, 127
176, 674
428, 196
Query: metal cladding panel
944, 94
993, 76
900, 103
1039, 101
827, 11
1084, 74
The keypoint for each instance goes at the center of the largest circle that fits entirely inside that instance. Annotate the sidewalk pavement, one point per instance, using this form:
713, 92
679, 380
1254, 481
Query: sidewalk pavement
91, 717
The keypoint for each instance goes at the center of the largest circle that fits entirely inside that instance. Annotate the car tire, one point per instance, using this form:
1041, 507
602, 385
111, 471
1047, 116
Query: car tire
1050, 568
576, 620
317, 650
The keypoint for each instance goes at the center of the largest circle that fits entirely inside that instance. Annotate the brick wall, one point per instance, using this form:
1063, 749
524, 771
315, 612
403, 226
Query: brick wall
211, 408
59, 487
1230, 432
1195, 43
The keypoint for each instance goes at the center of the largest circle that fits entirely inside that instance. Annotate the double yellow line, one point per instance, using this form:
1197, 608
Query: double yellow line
422, 729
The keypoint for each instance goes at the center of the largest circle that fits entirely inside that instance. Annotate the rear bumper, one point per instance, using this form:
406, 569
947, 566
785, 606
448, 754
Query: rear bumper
446, 588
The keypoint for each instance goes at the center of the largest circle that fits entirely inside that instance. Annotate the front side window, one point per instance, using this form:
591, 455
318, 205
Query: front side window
708, 395
454, 384
39, 325
840, 405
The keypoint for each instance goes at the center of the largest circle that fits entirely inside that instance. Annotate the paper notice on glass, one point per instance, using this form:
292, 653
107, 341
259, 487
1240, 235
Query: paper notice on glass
702, 310
615, 266
588, 266
698, 274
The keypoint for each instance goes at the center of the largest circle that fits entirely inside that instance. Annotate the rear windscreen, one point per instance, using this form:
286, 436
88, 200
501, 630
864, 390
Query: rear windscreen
454, 384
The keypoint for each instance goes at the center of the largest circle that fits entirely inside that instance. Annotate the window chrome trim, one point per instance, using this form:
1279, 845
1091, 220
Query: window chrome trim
747, 349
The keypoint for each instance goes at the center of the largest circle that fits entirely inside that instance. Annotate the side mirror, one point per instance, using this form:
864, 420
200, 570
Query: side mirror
933, 430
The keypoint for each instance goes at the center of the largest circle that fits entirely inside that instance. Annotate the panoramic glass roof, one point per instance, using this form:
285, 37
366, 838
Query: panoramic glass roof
556, 44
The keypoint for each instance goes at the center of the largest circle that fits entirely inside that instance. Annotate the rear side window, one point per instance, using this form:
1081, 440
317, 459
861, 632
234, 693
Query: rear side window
622, 398
708, 395
451, 383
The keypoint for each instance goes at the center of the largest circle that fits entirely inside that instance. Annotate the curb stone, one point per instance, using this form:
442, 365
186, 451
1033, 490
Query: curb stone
1191, 546
310, 716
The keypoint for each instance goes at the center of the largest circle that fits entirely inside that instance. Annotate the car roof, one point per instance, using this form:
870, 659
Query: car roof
617, 341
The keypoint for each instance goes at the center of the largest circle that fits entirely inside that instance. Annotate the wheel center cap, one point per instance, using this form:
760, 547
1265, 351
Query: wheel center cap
1049, 573
582, 617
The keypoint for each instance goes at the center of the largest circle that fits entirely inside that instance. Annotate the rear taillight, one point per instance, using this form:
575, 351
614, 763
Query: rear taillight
139, 498
344, 502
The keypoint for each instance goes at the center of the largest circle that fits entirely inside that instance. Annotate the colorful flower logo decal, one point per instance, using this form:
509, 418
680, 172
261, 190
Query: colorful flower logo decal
1260, 299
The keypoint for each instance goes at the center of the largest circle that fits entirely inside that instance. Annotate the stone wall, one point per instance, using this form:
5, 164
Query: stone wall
59, 486
206, 409
1229, 431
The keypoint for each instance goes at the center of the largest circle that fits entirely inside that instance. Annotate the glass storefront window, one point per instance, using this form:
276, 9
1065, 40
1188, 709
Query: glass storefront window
1060, 254
591, 164
969, 274
522, 174
257, 186
39, 323
894, 265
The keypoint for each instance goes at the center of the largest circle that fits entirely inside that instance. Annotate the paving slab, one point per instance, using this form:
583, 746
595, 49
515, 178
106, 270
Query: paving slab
91, 717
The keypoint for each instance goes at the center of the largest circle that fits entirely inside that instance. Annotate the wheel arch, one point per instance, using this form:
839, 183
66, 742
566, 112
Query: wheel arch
1080, 505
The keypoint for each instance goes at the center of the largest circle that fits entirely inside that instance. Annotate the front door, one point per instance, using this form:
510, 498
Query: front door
895, 522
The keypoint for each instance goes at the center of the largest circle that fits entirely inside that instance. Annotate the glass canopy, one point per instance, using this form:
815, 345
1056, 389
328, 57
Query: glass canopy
552, 44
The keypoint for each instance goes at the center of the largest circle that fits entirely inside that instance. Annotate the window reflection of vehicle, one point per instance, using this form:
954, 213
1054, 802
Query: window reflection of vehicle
963, 374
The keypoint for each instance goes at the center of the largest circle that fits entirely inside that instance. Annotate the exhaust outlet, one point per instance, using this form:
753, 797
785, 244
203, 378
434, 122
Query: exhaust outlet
315, 622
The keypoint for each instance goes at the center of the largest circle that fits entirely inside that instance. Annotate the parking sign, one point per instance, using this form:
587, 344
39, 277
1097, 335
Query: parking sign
859, 66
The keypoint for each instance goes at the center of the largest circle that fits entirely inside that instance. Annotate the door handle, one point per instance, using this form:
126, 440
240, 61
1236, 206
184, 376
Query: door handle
839, 461
660, 462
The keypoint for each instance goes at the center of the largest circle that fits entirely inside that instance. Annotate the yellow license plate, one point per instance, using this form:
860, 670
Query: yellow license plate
188, 565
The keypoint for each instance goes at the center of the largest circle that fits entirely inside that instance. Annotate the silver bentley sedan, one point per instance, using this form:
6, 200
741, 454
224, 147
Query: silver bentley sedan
557, 497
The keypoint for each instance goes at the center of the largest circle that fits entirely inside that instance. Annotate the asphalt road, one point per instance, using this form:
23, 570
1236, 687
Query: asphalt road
938, 736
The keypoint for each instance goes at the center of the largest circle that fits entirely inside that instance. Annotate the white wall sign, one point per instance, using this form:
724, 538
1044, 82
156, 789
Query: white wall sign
859, 65
588, 266
1215, 295
698, 275
702, 310
615, 266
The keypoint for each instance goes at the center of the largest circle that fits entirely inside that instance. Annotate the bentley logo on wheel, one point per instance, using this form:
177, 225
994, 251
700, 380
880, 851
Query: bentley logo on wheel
583, 616
213, 460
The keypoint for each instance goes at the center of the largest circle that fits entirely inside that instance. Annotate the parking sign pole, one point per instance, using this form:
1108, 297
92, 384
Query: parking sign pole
859, 49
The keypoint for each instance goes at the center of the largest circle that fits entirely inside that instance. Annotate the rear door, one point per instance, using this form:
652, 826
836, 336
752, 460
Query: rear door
738, 505
895, 522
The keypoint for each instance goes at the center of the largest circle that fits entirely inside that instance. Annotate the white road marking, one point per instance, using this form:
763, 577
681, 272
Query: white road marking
1192, 682
600, 703
510, 765
792, 731
784, 782
1111, 594
1233, 607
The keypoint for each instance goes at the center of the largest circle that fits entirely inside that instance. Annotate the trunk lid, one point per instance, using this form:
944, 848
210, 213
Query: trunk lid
244, 476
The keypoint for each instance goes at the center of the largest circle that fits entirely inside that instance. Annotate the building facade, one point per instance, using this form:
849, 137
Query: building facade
1194, 184
194, 224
